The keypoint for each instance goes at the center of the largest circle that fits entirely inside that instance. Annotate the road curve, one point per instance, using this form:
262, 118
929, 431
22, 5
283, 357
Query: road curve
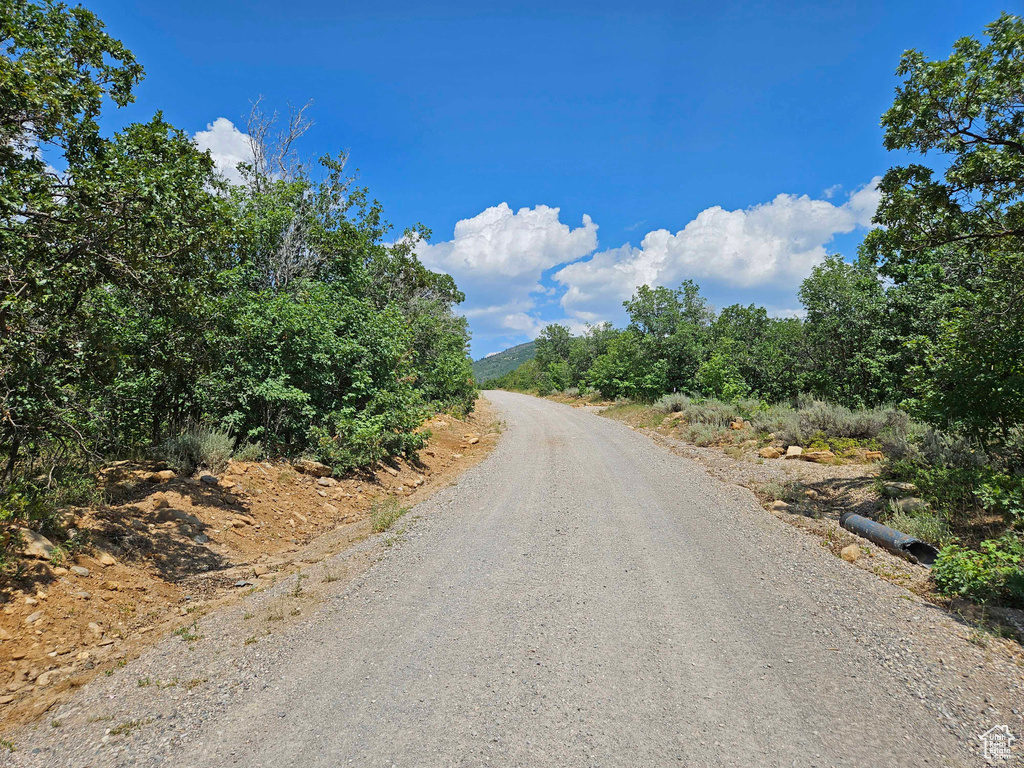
585, 598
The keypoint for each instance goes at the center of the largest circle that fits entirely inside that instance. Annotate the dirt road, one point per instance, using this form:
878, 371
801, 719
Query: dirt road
581, 598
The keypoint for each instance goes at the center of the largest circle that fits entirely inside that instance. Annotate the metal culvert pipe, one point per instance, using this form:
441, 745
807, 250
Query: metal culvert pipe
914, 550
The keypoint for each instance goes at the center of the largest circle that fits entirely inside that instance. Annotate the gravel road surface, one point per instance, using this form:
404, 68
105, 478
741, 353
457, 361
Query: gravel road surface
581, 598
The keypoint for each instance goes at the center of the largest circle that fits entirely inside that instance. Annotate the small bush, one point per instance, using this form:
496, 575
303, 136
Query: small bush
995, 574
791, 492
711, 412
571, 391
702, 434
951, 451
385, 512
835, 425
198, 447
926, 526
781, 421
838, 421
249, 452
671, 403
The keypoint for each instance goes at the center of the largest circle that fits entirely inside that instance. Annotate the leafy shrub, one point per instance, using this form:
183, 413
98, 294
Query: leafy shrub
198, 447
384, 512
544, 385
995, 574
719, 376
1004, 495
361, 438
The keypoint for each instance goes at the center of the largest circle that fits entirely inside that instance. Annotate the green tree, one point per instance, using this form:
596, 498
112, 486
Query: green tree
960, 230
845, 306
767, 353
629, 369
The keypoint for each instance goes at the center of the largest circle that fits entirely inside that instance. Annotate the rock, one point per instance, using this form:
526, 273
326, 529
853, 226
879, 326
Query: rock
178, 516
32, 618
112, 586
737, 424
873, 456
83, 595
243, 583
78, 570
106, 560
6, 699
159, 500
209, 480
36, 545
794, 452
811, 494
260, 570
60, 571
5, 635
912, 505
202, 538
330, 509
779, 506
31, 601
95, 629
46, 678
327, 482
771, 452
163, 476
83, 656
313, 468
895, 490
850, 553
473, 440
139, 525
819, 457
391, 471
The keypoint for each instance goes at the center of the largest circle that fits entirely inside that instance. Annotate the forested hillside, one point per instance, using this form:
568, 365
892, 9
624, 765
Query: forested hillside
929, 318
151, 309
493, 366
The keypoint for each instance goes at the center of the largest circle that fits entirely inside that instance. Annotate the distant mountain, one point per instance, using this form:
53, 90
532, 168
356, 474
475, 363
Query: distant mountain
500, 363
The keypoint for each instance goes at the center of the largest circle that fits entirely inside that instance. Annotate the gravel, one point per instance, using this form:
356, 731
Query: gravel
582, 597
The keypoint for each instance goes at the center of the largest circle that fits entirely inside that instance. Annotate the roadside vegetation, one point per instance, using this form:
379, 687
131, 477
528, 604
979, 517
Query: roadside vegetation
151, 309
915, 348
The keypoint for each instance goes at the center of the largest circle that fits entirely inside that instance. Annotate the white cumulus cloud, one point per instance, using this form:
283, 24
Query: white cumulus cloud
770, 244
228, 146
498, 257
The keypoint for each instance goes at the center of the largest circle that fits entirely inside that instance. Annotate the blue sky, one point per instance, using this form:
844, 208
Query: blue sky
730, 142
